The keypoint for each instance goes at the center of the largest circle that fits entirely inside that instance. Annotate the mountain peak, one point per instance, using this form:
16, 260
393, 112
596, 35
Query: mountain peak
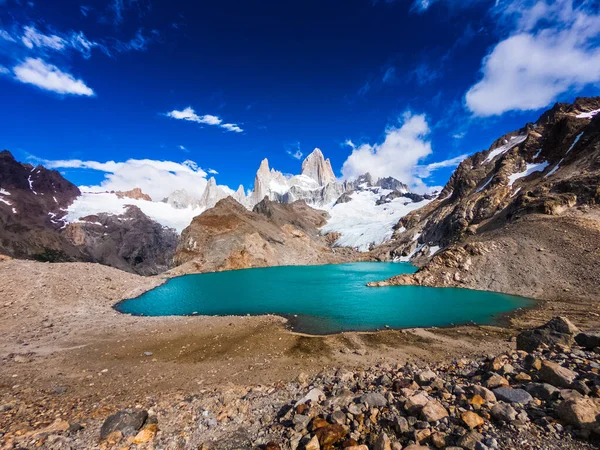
318, 168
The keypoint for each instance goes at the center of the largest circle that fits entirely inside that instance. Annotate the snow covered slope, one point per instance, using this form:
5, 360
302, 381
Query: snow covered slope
362, 223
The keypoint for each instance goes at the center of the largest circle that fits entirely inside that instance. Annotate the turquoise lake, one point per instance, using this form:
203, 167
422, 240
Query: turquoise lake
323, 299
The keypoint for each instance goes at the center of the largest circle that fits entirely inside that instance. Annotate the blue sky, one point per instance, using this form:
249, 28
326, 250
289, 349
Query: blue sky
404, 88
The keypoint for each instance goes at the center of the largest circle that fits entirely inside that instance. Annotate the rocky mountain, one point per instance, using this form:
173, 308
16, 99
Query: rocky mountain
229, 236
521, 217
182, 199
36, 223
130, 241
33, 205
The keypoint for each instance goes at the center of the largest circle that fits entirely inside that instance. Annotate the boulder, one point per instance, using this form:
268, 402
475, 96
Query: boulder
127, 421
483, 392
471, 419
330, 435
582, 413
557, 331
416, 403
589, 340
557, 375
513, 395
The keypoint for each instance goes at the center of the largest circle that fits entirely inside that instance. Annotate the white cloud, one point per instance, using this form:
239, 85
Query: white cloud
213, 172
399, 155
6, 36
156, 178
296, 154
33, 38
190, 115
50, 78
4, 70
552, 49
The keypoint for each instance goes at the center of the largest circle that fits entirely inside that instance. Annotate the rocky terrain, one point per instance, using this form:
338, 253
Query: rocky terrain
542, 393
520, 218
229, 236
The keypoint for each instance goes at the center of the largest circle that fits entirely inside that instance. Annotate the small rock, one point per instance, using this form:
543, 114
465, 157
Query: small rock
338, 417
589, 340
330, 435
373, 400
272, 446
382, 442
543, 391
128, 421
314, 396
313, 444
472, 420
513, 395
503, 412
425, 377
470, 440
146, 435
496, 381
433, 411
557, 375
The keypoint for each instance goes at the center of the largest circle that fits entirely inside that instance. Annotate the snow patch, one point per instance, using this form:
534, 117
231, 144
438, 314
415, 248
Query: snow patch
514, 141
485, 185
575, 142
588, 115
409, 256
4, 192
14, 210
94, 203
433, 250
555, 168
31, 184
5, 201
531, 168
516, 192
361, 222
537, 154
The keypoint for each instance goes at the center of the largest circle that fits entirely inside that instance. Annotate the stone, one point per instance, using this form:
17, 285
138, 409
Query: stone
300, 422
522, 377
422, 435
425, 377
314, 396
146, 434
272, 446
382, 442
317, 423
581, 413
496, 381
433, 411
472, 420
416, 447
338, 417
401, 425
313, 444
395, 446
513, 395
356, 447
128, 421
543, 391
373, 400
557, 331
503, 412
557, 375
470, 440
114, 438
416, 402
58, 426
439, 439
589, 340
483, 392
330, 435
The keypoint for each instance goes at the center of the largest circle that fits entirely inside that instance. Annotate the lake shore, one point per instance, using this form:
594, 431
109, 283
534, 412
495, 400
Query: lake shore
61, 339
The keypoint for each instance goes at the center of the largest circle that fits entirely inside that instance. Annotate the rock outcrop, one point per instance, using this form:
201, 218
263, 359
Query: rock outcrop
318, 168
521, 217
130, 241
229, 236
135, 194
33, 206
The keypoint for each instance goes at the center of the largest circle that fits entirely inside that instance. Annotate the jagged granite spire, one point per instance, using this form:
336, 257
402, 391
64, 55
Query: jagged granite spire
318, 168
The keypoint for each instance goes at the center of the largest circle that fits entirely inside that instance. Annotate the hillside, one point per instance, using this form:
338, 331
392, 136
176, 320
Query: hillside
521, 217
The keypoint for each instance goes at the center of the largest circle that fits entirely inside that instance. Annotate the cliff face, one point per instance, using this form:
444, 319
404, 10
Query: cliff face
229, 236
521, 217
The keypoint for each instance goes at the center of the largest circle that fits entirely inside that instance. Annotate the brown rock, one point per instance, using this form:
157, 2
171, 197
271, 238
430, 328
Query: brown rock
330, 435
581, 413
416, 402
433, 411
557, 375
496, 381
313, 444
439, 439
472, 420
421, 436
272, 446
383, 442
114, 438
318, 422
146, 434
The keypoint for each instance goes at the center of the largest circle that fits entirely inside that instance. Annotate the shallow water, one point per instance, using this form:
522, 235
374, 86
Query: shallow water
323, 299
